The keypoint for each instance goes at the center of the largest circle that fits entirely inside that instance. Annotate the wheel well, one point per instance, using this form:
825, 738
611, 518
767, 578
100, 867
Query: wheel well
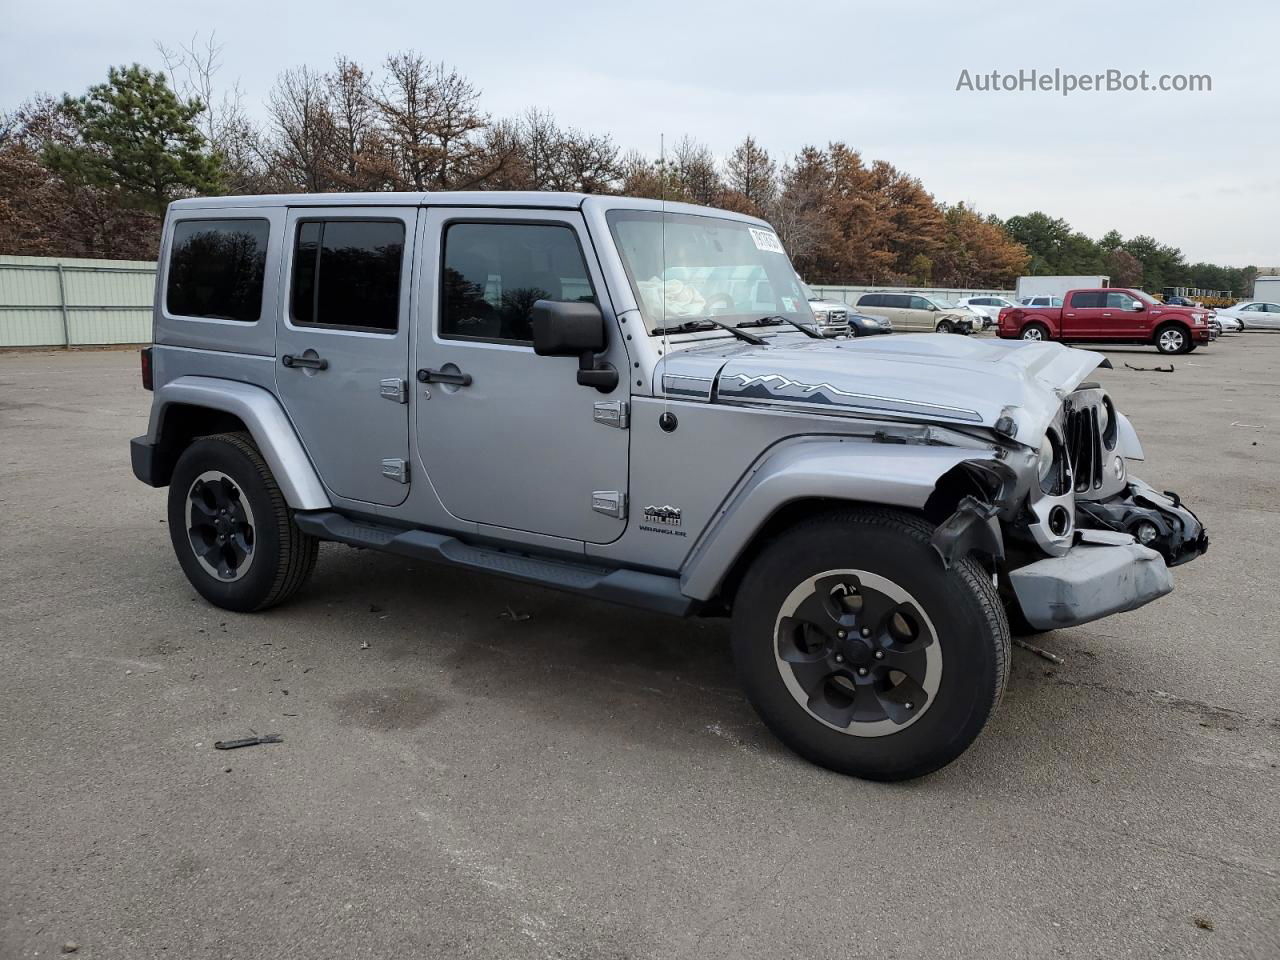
182, 423
1171, 323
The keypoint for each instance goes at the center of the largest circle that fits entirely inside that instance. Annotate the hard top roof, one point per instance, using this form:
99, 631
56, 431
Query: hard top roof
545, 200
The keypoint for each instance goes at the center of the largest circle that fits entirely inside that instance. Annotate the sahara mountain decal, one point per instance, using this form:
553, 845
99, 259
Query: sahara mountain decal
668, 515
774, 386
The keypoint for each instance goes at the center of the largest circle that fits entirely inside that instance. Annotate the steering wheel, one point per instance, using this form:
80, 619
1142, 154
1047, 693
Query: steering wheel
720, 300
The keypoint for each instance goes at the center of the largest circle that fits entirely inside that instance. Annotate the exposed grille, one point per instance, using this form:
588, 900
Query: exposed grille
1084, 446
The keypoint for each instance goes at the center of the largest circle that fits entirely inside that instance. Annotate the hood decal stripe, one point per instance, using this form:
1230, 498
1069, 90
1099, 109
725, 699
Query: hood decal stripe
769, 387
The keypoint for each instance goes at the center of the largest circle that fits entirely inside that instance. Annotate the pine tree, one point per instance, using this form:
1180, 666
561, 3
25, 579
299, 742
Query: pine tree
138, 140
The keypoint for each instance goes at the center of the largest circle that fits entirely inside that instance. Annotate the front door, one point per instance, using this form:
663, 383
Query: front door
342, 346
1123, 319
510, 439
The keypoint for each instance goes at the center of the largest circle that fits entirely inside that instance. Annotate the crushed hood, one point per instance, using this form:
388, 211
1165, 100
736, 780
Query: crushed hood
924, 377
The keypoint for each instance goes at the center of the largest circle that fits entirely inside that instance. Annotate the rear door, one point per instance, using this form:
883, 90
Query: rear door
342, 346
1082, 314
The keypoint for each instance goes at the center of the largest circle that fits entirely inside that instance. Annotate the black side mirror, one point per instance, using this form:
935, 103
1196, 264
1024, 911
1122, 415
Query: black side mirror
573, 329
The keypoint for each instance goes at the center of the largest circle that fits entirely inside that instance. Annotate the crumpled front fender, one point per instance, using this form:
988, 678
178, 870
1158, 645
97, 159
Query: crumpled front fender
831, 468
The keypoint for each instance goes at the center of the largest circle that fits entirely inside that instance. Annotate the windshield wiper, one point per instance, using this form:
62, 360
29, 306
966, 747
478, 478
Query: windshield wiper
700, 324
775, 319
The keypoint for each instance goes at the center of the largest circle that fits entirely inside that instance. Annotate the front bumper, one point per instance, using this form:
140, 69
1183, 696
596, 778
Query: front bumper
1090, 581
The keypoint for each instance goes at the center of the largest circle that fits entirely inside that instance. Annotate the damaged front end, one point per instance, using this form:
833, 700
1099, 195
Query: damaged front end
1072, 537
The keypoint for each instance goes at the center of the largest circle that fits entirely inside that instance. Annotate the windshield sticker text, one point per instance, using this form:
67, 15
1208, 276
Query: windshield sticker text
766, 240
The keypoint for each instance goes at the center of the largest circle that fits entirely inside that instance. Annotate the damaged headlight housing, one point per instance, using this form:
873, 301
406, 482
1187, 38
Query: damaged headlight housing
1044, 461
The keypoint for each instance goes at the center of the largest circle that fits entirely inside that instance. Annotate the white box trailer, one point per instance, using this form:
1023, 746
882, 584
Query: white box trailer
1057, 286
1267, 288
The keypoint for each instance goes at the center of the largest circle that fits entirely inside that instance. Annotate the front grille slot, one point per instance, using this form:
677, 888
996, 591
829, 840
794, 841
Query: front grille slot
1084, 447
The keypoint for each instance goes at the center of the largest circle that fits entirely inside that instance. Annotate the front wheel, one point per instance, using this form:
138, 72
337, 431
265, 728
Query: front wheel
862, 653
1172, 339
231, 529
944, 326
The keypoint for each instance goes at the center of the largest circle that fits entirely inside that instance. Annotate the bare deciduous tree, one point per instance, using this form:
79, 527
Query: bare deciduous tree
305, 140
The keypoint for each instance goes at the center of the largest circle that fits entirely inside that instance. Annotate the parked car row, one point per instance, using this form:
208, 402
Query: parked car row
1100, 314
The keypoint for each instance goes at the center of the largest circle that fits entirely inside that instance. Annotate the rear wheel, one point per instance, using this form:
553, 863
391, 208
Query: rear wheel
231, 529
1035, 331
861, 653
1172, 338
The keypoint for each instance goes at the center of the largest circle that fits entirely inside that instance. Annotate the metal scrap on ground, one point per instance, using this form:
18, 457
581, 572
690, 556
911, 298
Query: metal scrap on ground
247, 741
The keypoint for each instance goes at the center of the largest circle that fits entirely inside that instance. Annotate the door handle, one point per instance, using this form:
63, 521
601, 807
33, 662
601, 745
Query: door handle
1106, 314
308, 363
441, 376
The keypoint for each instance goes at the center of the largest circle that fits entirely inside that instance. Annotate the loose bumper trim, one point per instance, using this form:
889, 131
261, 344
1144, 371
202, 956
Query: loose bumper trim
1088, 582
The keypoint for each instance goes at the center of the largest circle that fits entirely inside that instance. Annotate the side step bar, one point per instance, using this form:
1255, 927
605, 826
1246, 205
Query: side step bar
631, 587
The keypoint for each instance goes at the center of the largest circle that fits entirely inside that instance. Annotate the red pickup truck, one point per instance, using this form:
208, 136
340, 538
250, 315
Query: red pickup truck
1109, 315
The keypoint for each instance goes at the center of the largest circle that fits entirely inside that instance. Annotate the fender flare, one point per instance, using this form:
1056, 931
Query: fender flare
886, 474
1054, 327
267, 423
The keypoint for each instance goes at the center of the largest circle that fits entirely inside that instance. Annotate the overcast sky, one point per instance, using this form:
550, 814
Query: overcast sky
1200, 171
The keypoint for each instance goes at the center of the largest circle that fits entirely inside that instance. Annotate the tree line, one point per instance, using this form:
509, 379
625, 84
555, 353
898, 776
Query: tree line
91, 175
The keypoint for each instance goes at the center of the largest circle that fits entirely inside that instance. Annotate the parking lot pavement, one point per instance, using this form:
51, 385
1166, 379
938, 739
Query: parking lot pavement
588, 782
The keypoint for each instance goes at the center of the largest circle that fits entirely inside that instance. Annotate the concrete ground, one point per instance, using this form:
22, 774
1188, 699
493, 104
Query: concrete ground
588, 782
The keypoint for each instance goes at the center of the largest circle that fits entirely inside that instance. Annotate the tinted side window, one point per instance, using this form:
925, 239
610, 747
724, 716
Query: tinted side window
1121, 300
871, 300
346, 273
916, 303
494, 273
216, 269
1088, 300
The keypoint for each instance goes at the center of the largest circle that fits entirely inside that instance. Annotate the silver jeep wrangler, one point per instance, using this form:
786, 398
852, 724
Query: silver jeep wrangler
629, 400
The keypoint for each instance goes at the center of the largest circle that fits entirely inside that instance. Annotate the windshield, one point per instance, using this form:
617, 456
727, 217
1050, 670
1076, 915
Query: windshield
941, 304
1144, 297
712, 267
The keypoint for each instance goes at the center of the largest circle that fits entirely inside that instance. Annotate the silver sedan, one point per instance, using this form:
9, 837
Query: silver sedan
1253, 314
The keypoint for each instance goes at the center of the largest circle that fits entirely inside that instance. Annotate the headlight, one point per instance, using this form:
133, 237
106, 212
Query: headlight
1044, 461
1104, 418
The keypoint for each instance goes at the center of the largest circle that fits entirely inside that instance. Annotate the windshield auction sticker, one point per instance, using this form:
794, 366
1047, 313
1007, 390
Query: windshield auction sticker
766, 240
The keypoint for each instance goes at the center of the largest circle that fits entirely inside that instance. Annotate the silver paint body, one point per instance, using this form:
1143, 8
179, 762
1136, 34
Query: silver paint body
522, 457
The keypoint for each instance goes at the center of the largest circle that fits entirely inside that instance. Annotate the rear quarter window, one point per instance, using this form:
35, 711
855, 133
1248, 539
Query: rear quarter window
216, 269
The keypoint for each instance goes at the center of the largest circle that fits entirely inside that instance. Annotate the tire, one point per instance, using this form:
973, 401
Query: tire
221, 487
944, 326
956, 645
1034, 331
1191, 348
1172, 338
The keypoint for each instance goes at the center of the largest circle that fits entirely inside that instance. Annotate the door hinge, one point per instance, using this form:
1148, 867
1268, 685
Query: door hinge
612, 413
396, 469
394, 389
612, 503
